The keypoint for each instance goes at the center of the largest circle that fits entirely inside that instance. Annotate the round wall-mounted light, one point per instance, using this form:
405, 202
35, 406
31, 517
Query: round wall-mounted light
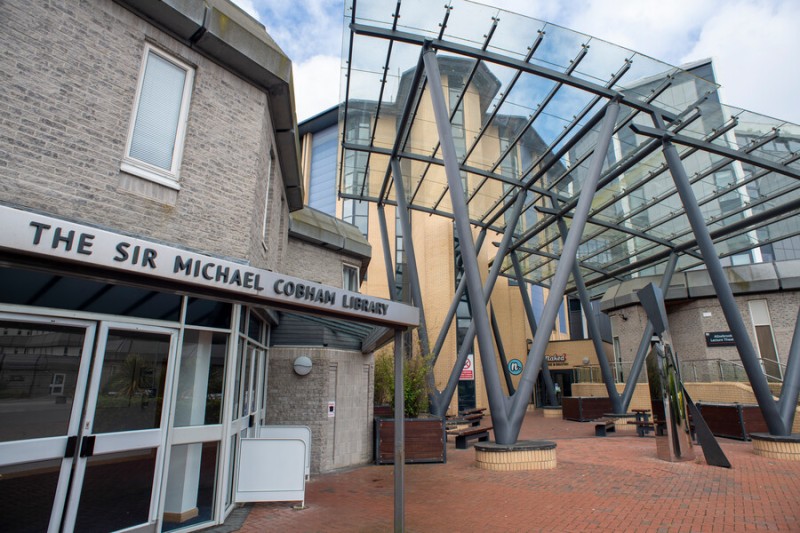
585, 360
302, 365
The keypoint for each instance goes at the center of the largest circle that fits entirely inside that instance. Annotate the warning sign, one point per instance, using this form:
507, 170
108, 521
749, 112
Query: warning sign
468, 372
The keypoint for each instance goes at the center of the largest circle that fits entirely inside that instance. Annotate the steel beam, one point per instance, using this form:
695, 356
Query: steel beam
505, 61
451, 312
717, 149
387, 253
526, 304
594, 330
644, 344
557, 287
723, 289
408, 242
501, 352
497, 402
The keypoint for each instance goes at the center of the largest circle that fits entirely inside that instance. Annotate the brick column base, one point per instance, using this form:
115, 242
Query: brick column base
774, 447
552, 412
523, 455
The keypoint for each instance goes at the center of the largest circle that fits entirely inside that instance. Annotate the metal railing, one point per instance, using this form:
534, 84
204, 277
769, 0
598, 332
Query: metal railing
692, 371
702, 370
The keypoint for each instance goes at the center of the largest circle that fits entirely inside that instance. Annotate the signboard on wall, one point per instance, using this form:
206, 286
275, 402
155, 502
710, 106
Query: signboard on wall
515, 367
45, 236
720, 338
468, 372
559, 359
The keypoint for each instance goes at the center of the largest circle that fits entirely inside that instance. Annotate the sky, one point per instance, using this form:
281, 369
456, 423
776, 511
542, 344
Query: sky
753, 43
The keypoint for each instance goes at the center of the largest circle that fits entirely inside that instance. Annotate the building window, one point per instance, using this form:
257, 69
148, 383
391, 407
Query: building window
350, 278
158, 123
57, 384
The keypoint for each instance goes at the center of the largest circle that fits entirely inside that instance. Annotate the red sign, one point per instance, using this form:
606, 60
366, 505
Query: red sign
468, 372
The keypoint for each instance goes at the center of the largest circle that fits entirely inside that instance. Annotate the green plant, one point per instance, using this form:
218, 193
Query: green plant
415, 390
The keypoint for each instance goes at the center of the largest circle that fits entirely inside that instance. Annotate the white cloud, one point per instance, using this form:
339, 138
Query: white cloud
753, 46
316, 85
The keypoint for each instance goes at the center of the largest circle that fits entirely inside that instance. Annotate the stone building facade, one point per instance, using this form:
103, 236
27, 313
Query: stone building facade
152, 250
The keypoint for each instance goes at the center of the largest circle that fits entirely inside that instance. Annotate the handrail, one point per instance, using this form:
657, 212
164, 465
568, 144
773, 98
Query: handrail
733, 367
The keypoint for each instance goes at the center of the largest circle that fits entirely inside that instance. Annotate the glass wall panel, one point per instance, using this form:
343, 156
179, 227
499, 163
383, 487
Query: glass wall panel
200, 393
25, 287
190, 485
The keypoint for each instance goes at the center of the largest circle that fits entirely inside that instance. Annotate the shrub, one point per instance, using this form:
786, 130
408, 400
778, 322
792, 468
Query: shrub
415, 390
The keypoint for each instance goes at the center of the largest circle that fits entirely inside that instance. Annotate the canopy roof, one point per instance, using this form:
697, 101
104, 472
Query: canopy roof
526, 98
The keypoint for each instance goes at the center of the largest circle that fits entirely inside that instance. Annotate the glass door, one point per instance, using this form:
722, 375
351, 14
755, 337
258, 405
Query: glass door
82, 424
123, 431
44, 368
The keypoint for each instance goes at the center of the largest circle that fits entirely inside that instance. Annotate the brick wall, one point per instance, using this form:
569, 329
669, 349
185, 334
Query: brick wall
344, 377
314, 263
69, 72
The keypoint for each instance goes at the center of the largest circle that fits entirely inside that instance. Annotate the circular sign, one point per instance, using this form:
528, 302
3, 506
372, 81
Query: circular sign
515, 367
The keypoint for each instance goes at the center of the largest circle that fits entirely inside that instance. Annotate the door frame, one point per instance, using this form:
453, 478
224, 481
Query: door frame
120, 441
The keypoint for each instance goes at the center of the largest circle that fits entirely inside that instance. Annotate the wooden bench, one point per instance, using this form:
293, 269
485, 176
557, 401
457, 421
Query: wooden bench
465, 435
603, 426
475, 411
474, 419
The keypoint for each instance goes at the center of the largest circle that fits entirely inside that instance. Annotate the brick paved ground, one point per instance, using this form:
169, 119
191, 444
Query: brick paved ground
601, 484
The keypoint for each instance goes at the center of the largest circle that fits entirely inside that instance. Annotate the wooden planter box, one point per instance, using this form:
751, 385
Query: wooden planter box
733, 420
425, 440
584, 408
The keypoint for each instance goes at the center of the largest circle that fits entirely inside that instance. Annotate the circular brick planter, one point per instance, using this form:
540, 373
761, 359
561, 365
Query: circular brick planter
552, 411
774, 447
523, 455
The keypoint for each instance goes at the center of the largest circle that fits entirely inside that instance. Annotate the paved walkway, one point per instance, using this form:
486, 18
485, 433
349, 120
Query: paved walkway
601, 484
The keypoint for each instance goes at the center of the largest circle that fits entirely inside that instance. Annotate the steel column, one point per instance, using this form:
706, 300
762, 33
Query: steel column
724, 293
451, 312
526, 304
497, 402
559, 284
408, 241
387, 253
399, 433
501, 351
791, 380
644, 344
443, 400
594, 331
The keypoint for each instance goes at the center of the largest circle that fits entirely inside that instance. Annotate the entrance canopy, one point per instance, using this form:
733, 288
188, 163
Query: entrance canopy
526, 101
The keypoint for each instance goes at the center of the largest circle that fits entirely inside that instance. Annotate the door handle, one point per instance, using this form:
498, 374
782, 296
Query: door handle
72, 443
87, 446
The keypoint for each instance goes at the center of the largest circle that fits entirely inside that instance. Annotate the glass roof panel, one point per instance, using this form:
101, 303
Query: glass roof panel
516, 123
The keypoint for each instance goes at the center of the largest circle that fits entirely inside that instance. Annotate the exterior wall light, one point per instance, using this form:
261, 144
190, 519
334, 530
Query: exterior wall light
302, 365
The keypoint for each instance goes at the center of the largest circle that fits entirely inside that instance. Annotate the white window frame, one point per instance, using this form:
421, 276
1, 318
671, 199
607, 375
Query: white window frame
355, 269
168, 178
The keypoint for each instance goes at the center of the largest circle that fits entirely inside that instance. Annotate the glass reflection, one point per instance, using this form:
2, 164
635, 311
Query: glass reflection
39, 366
131, 391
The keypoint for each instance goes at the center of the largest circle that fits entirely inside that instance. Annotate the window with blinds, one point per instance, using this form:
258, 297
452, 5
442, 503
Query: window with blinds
158, 124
